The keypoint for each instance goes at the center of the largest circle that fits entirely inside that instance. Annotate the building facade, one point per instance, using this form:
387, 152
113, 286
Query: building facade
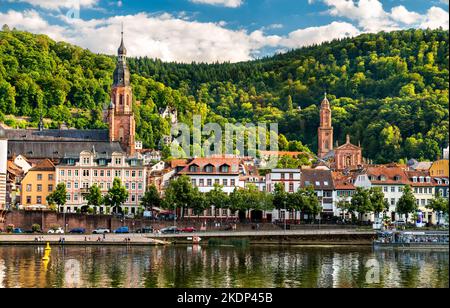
424, 191
90, 168
439, 168
322, 182
37, 184
3, 171
289, 178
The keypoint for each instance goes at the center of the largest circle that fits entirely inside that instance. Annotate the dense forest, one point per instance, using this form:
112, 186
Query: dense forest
389, 91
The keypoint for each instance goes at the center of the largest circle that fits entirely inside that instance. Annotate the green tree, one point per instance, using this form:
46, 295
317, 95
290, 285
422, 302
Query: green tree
179, 194
361, 202
407, 202
94, 198
438, 205
217, 197
116, 196
58, 196
377, 201
151, 198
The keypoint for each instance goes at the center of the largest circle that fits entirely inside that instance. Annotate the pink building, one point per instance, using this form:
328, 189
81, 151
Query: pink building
81, 172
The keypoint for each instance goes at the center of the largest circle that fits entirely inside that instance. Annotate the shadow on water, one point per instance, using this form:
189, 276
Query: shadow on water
218, 266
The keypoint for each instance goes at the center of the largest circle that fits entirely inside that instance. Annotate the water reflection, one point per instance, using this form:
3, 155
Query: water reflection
221, 267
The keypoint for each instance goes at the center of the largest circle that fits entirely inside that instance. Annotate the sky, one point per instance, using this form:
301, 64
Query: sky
215, 30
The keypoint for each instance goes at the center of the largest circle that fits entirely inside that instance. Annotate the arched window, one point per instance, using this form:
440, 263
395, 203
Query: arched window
225, 169
209, 168
193, 168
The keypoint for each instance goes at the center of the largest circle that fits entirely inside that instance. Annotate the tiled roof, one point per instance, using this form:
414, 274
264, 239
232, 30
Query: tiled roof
317, 178
216, 162
384, 174
418, 174
435, 181
44, 165
342, 182
281, 153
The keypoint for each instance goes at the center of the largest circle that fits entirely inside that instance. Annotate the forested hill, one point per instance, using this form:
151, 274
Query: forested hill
387, 90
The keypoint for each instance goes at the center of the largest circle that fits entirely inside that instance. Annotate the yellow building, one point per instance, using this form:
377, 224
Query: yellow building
439, 168
38, 183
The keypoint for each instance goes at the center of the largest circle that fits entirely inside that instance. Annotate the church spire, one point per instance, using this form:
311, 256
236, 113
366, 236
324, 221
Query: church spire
122, 73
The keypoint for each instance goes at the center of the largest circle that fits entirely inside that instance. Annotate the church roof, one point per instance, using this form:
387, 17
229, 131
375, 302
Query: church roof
56, 135
59, 149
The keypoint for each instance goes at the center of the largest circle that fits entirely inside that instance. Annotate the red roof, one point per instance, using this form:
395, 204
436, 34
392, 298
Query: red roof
216, 162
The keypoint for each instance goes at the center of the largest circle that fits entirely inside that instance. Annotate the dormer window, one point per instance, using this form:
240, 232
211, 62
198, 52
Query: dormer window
209, 168
225, 169
428, 179
421, 179
118, 161
86, 160
193, 168
415, 179
382, 178
71, 161
397, 178
102, 162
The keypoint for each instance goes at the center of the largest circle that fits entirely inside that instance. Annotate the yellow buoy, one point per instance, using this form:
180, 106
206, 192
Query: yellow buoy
48, 247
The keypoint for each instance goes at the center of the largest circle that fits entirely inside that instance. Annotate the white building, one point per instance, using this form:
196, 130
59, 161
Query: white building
207, 172
3, 170
390, 178
424, 191
81, 172
23, 163
445, 153
290, 178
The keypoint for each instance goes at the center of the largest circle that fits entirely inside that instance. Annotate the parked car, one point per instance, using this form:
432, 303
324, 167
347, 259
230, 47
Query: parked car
170, 230
78, 231
145, 230
101, 231
122, 230
17, 231
188, 230
56, 231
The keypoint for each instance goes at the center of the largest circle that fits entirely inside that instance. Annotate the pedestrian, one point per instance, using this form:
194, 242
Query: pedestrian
104, 235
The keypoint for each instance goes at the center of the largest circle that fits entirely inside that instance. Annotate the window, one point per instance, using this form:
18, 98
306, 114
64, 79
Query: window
118, 161
39, 200
69, 173
307, 183
85, 172
50, 177
420, 190
29, 187
102, 185
208, 182
95, 173
61, 172
76, 172
193, 168
428, 179
75, 185
291, 176
75, 197
392, 188
133, 198
117, 173
127, 173
108, 186
68, 197
421, 179
102, 162
217, 181
86, 160
400, 189
392, 201
385, 188
415, 179
317, 183
224, 212
133, 162
140, 173
282, 176
225, 182
85, 185
108, 173
201, 182
209, 168
194, 182
50, 188
28, 199
102, 173
233, 182
291, 187
325, 183
133, 186
127, 185
224, 169
71, 161
39, 187
133, 174
39, 177
422, 201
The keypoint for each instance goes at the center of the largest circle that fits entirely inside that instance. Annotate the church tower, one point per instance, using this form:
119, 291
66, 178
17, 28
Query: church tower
120, 114
325, 131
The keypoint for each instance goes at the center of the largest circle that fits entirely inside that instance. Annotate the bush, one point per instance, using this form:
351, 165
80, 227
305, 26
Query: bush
90, 210
36, 228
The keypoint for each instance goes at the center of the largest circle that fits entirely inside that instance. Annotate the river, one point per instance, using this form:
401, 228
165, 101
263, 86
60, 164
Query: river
221, 267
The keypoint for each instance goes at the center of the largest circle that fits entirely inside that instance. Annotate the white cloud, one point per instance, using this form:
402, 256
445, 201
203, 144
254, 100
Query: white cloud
444, 1
401, 14
370, 16
226, 3
172, 38
59, 4
435, 18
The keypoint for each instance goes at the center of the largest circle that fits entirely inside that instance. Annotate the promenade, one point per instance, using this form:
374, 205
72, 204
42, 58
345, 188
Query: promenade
338, 236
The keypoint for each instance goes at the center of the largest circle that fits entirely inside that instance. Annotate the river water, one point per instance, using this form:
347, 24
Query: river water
221, 267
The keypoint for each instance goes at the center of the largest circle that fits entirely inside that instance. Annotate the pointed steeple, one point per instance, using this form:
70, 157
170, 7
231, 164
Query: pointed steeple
122, 73
325, 102
122, 51
348, 139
